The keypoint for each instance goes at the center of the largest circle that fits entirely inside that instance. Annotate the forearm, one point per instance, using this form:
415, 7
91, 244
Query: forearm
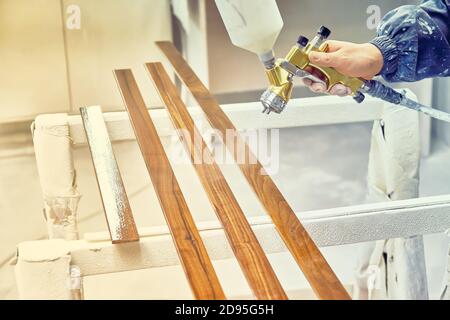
414, 42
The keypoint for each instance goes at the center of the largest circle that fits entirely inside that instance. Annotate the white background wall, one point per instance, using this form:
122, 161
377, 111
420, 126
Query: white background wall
47, 67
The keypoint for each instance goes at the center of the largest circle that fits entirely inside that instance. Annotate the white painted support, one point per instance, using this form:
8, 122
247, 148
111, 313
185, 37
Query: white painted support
247, 116
347, 225
424, 91
43, 272
394, 175
53, 150
40, 260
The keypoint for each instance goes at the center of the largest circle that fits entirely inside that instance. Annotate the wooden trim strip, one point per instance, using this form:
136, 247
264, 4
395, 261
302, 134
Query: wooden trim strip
114, 198
308, 256
249, 253
191, 250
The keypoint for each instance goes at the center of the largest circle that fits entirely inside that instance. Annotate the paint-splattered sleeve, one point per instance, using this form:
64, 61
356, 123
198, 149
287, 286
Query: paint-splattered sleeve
414, 41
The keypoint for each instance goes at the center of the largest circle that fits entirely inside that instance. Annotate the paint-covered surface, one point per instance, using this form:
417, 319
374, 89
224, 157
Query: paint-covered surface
53, 151
394, 175
115, 201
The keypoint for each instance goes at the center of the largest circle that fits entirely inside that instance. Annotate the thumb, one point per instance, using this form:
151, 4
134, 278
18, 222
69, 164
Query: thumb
325, 59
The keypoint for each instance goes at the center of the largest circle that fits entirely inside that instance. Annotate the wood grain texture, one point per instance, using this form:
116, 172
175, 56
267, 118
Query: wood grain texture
249, 253
119, 217
308, 256
191, 250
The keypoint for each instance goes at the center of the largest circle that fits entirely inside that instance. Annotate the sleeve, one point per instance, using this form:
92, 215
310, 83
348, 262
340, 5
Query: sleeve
414, 41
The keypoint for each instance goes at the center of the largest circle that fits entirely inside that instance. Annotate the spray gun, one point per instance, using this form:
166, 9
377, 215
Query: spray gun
297, 64
247, 24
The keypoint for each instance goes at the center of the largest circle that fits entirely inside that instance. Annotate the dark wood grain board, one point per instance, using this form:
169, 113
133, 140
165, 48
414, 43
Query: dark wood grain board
249, 253
191, 250
308, 256
119, 217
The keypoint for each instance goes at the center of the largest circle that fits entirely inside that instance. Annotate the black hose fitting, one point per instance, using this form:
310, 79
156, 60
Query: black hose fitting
378, 90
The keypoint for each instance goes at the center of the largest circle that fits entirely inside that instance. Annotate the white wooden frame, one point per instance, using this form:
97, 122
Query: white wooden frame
398, 219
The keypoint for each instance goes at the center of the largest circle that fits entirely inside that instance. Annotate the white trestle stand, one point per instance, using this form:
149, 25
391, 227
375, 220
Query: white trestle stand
55, 268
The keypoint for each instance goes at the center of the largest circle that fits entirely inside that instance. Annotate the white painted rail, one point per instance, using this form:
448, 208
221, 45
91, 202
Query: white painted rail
301, 112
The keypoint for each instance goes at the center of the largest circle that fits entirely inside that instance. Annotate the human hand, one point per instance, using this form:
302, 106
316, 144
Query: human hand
351, 59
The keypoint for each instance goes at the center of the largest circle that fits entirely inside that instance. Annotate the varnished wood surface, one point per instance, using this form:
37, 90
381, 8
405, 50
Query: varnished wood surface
191, 250
251, 257
119, 217
308, 256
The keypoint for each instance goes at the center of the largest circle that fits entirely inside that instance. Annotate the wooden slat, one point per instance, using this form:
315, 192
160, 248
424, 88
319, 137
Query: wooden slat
249, 253
308, 256
114, 198
191, 250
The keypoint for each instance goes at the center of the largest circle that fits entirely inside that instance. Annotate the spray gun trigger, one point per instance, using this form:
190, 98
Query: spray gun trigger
292, 69
315, 79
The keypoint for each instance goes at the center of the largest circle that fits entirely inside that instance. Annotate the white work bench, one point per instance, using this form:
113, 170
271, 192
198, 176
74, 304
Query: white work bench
45, 268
